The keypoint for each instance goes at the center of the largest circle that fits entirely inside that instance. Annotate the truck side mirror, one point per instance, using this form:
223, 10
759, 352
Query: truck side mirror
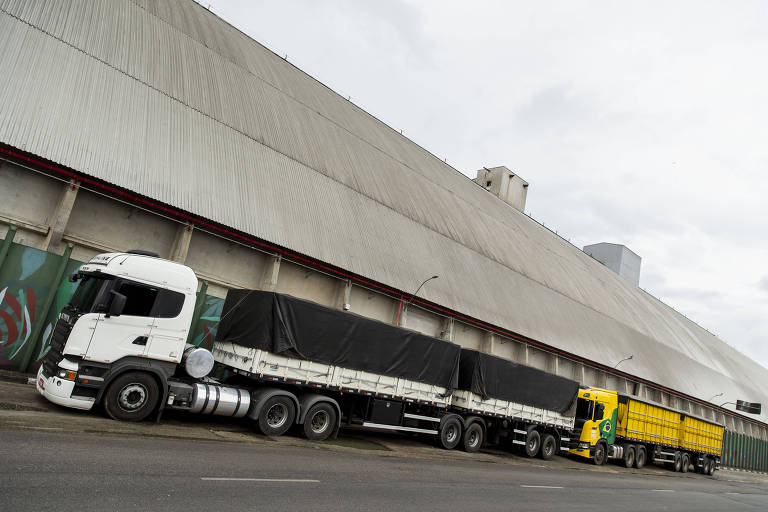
116, 305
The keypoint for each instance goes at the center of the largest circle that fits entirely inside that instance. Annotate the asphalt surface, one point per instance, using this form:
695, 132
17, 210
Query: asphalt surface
58, 459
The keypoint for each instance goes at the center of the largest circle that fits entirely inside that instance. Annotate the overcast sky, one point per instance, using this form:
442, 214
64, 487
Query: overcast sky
640, 124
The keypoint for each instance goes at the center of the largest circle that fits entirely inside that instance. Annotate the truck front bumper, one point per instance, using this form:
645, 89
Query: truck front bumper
59, 391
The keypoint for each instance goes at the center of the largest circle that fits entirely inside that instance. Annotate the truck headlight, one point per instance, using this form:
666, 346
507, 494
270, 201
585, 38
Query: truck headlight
583, 446
66, 374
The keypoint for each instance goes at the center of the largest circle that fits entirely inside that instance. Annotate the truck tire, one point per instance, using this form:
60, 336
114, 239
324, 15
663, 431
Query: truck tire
319, 422
473, 438
685, 462
641, 457
629, 456
677, 464
449, 435
601, 454
276, 416
705, 469
712, 467
532, 444
131, 397
548, 447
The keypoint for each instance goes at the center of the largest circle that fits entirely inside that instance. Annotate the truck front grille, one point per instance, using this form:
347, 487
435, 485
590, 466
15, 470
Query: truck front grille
55, 354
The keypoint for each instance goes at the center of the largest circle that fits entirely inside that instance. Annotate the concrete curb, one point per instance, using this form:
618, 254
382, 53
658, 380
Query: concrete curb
14, 376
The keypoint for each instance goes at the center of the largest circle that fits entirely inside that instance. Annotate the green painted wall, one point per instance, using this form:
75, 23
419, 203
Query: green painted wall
34, 287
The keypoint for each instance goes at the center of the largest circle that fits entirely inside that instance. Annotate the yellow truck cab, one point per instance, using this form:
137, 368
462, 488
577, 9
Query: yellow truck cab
633, 430
596, 420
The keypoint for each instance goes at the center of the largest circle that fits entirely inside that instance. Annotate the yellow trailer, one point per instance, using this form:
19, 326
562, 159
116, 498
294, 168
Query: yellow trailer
648, 422
702, 435
633, 430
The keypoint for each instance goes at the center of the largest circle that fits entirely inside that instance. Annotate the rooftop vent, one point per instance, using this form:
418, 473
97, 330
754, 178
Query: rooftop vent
618, 258
504, 184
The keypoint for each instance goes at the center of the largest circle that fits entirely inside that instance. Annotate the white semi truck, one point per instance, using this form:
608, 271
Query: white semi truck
282, 362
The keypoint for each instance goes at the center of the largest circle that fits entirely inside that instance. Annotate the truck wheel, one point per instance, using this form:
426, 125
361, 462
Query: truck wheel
685, 462
320, 421
678, 461
548, 447
706, 467
640, 457
450, 433
532, 444
601, 454
712, 467
277, 416
473, 438
629, 456
131, 397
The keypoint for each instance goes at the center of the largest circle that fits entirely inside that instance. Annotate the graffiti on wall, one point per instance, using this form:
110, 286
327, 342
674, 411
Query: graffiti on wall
27, 278
210, 314
16, 320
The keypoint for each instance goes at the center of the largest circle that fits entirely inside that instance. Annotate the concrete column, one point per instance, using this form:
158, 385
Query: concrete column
602, 379
578, 373
401, 319
521, 353
627, 386
271, 271
60, 217
446, 329
553, 363
343, 295
489, 343
180, 246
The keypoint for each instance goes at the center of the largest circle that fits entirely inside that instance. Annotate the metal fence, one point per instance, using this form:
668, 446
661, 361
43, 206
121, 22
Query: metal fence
741, 451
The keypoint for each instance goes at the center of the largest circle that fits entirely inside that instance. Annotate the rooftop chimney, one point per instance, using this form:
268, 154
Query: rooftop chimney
505, 184
617, 258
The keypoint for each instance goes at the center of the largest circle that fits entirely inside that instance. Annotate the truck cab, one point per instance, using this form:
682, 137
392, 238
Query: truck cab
597, 413
130, 311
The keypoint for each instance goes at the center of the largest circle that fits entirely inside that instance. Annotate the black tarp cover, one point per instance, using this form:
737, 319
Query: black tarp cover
289, 326
493, 377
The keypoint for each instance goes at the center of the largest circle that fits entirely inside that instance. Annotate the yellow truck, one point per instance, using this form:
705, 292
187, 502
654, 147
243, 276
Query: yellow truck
633, 431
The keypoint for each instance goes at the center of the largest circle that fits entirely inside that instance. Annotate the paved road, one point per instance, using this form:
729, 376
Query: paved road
62, 471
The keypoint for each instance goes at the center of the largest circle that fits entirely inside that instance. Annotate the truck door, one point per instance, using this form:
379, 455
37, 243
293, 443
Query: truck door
127, 334
169, 330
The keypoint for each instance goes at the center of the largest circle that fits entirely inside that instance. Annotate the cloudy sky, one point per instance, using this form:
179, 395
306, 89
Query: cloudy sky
639, 124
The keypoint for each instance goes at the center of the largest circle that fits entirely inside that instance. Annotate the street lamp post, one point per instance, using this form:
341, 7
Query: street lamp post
410, 299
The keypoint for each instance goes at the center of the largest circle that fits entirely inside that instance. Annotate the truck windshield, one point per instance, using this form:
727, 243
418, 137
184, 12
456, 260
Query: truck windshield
584, 409
84, 298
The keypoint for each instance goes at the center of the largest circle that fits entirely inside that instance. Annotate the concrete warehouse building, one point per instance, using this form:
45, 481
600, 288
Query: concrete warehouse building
156, 125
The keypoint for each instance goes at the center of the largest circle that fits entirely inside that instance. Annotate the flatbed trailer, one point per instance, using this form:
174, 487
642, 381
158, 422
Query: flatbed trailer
521, 406
283, 363
455, 416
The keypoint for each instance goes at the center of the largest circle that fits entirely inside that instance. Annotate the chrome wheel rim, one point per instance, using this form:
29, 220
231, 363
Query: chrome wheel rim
132, 397
451, 433
320, 422
277, 415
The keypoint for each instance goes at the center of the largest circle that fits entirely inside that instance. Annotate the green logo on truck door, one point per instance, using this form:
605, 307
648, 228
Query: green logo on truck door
608, 427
